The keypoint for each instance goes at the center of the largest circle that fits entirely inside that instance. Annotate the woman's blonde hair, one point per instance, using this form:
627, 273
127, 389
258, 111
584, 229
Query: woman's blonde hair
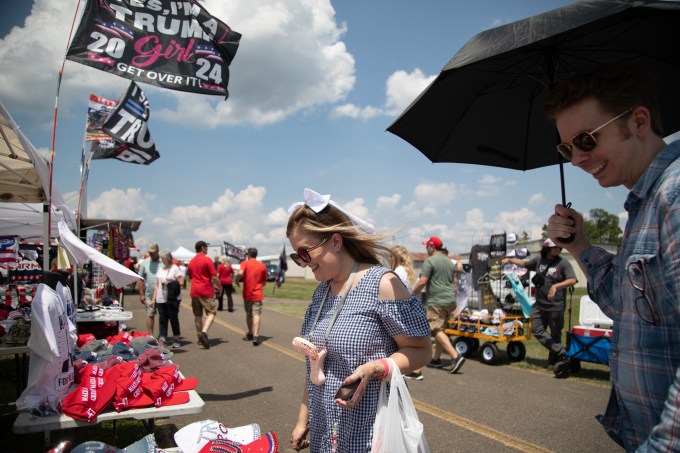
361, 246
404, 259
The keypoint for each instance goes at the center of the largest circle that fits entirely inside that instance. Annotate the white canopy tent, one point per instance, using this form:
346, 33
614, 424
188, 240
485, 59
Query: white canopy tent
25, 181
183, 254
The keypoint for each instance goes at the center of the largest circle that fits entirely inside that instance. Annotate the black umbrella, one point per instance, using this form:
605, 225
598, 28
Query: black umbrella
486, 106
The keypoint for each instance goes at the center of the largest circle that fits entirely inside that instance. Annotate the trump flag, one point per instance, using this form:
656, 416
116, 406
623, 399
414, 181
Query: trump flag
127, 124
171, 44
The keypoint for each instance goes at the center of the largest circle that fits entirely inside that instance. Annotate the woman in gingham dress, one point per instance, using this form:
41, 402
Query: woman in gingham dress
377, 318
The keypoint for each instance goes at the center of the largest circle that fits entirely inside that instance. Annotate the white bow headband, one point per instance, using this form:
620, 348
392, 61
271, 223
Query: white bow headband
317, 202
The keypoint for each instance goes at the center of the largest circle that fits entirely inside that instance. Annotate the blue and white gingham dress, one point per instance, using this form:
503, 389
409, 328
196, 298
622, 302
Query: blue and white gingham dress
362, 332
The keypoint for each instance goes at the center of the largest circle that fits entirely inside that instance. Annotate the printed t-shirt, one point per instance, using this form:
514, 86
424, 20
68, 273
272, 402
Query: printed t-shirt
50, 372
254, 276
200, 270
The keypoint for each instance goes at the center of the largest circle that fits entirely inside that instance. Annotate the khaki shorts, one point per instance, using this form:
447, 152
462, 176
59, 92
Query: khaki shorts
437, 317
150, 309
253, 308
201, 304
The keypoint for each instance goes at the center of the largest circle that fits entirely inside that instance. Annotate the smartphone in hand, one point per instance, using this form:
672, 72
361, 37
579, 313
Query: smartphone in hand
351, 393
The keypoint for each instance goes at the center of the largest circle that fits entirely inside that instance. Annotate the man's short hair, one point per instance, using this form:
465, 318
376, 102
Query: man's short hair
252, 252
199, 245
617, 88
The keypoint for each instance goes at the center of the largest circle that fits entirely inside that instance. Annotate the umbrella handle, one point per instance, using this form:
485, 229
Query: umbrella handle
571, 237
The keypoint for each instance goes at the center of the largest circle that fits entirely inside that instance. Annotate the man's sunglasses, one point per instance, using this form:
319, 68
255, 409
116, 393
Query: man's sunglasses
585, 140
302, 256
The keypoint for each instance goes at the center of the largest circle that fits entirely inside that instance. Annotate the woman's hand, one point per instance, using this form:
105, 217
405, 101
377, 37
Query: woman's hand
298, 439
363, 373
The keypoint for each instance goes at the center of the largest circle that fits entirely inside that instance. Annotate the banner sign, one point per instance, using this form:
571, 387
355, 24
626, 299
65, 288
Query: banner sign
127, 124
98, 110
236, 252
171, 44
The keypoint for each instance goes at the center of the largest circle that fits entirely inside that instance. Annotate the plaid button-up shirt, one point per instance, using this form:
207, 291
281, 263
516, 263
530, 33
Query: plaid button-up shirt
644, 408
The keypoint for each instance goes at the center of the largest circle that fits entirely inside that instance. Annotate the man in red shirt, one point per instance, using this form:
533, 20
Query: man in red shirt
253, 274
203, 276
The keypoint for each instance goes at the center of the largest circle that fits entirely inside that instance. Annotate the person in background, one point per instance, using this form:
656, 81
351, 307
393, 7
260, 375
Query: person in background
183, 271
148, 268
403, 267
253, 274
548, 311
344, 256
226, 274
610, 123
167, 302
437, 279
203, 279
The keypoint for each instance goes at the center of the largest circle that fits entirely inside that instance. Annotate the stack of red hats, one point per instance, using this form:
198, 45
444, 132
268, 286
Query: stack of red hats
127, 387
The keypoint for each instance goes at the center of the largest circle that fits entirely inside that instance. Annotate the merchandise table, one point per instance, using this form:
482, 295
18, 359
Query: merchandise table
103, 316
20, 364
25, 424
101, 323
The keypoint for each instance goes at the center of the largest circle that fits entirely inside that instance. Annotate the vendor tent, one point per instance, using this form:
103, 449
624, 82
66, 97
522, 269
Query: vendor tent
24, 173
183, 254
26, 220
25, 178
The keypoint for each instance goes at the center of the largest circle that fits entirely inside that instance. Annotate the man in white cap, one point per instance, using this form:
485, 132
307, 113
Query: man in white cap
553, 276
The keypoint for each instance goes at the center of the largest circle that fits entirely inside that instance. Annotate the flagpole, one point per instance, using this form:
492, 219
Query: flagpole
46, 246
84, 163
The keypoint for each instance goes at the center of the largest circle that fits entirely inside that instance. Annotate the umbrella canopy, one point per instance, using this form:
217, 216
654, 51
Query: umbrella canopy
486, 106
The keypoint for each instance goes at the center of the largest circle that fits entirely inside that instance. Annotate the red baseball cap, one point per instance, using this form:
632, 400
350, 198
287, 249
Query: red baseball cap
435, 242
172, 374
94, 393
161, 387
84, 338
136, 389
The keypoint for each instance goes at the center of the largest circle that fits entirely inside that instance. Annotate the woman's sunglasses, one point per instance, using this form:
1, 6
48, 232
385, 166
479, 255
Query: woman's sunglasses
302, 255
585, 141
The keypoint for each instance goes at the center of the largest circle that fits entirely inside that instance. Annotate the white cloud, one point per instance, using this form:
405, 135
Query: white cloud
435, 194
402, 88
128, 204
388, 202
536, 199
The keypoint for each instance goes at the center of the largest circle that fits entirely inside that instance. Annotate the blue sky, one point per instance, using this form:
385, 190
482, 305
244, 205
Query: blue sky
313, 87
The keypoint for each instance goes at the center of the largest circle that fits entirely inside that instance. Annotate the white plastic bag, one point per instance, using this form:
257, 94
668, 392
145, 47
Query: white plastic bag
397, 428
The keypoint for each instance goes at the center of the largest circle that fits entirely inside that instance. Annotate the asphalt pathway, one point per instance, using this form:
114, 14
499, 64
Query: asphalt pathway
482, 408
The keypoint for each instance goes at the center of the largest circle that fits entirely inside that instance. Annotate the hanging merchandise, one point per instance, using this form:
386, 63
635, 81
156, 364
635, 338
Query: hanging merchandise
9, 252
50, 372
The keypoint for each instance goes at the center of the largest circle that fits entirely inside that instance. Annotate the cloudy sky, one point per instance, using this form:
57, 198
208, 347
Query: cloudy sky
313, 87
